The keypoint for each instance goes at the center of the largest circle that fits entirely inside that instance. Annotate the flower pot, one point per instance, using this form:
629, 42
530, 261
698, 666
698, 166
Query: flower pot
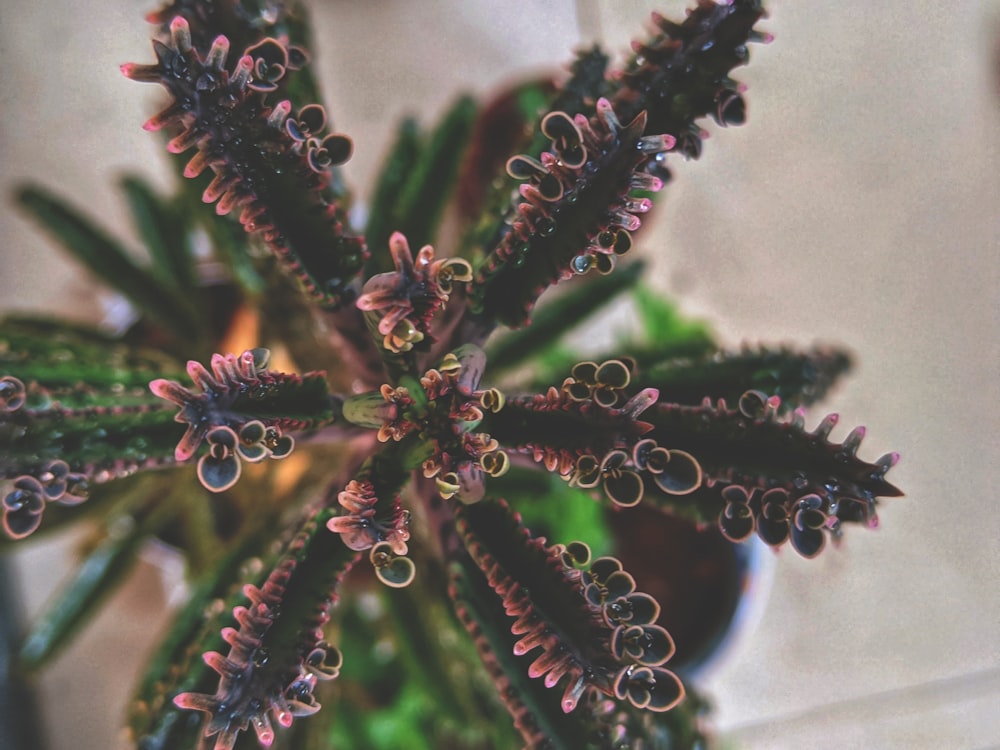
711, 590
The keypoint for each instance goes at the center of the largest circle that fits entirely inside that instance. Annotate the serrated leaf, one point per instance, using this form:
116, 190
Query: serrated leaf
153, 720
797, 377
80, 365
769, 474
535, 709
277, 652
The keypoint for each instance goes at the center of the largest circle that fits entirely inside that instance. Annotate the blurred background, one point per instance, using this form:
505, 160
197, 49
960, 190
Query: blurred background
858, 205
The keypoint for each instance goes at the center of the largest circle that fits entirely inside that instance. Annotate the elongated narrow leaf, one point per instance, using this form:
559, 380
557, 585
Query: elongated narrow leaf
159, 227
76, 364
767, 474
595, 632
97, 576
109, 261
573, 214
560, 315
277, 652
500, 133
56, 445
682, 73
797, 377
276, 174
535, 709
396, 171
428, 186
76, 412
154, 722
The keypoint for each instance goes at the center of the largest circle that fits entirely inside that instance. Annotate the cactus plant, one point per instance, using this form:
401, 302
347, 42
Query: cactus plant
406, 496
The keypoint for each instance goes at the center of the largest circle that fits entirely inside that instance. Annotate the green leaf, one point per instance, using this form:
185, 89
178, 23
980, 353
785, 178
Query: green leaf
666, 336
97, 576
153, 719
665, 328
80, 365
109, 261
536, 708
557, 316
396, 169
415, 183
428, 187
552, 508
87, 403
419, 626
163, 232
798, 378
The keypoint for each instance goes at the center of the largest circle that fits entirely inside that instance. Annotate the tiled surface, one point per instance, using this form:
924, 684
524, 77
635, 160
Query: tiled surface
858, 205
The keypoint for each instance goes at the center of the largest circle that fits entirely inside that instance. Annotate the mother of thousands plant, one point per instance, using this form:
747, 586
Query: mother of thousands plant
439, 424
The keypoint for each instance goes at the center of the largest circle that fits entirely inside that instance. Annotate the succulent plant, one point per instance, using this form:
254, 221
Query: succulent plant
396, 489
